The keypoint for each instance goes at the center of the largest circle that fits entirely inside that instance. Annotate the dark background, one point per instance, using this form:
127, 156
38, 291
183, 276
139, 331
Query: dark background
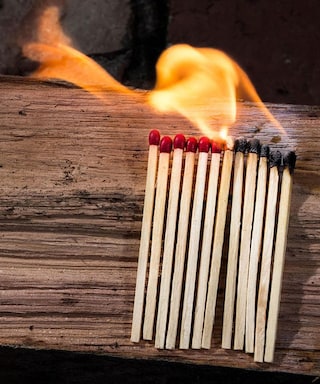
276, 42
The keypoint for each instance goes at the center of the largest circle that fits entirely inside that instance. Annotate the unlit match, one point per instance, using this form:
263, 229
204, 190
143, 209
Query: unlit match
178, 144
158, 219
182, 236
154, 139
218, 240
206, 244
190, 279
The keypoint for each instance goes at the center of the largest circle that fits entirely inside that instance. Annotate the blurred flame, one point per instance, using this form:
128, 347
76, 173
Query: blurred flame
202, 84
58, 60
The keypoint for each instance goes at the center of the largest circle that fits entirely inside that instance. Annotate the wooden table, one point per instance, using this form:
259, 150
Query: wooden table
72, 170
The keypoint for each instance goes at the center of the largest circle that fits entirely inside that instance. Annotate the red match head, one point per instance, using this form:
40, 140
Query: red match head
216, 147
154, 137
166, 144
192, 145
179, 141
204, 144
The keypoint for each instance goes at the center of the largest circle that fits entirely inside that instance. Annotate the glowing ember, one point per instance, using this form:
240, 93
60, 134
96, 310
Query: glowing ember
202, 84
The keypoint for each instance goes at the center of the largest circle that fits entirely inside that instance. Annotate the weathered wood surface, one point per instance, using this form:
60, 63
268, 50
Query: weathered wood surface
72, 171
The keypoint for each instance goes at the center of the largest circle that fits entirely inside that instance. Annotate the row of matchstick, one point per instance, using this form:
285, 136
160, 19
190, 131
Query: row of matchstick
189, 244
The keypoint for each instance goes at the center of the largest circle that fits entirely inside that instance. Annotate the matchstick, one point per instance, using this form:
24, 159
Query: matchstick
206, 244
167, 259
157, 231
246, 229
154, 139
196, 219
218, 240
256, 241
279, 255
274, 162
240, 147
182, 235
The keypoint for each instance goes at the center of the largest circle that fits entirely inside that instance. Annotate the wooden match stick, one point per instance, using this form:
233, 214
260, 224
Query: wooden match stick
154, 139
240, 147
157, 232
195, 228
182, 235
206, 244
218, 240
279, 255
256, 241
246, 229
167, 259
274, 162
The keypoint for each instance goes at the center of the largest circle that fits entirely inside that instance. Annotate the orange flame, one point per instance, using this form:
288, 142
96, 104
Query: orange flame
202, 84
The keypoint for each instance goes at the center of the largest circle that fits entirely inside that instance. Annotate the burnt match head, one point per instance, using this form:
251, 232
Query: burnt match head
204, 144
254, 146
289, 161
166, 144
179, 141
264, 150
275, 159
154, 137
192, 145
240, 145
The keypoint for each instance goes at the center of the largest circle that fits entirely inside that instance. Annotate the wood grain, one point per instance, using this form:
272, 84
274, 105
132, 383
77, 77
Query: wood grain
73, 170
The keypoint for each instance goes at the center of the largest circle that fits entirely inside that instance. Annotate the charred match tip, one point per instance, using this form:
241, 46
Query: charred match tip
192, 145
166, 144
254, 146
240, 145
154, 137
275, 159
204, 144
216, 147
264, 151
289, 161
179, 141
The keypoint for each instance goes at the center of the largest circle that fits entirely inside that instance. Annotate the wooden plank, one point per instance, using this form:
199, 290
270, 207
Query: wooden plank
73, 171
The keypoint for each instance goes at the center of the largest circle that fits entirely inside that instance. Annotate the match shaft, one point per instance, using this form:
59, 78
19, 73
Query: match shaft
246, 228
218, 240
195, 227
279, 258
255, 251
158, 219
234, 238
180, 251
206, 250
144, 243
266, 264
167, 259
